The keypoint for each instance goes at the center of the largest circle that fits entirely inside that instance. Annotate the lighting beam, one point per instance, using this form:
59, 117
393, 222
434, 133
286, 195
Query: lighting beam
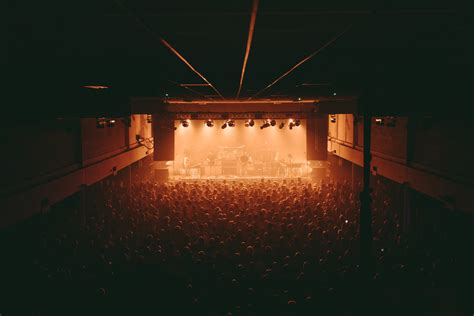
194, 85
303, 61
253, 18
165, 43
189, 89
168, 45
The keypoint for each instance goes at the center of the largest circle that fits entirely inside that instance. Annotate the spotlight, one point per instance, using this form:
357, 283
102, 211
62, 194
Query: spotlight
148, 118
282, 124
231, 123
273, 122
297, 123
100, 122
291, 123
111, 122
210, 123
333, 118
224, 125
249, 123
138, 138
265, 125
185, 123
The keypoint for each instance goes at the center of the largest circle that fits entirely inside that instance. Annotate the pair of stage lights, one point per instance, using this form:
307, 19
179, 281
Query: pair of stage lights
294, 123
230, 123
102, 122
185, 123
268, 123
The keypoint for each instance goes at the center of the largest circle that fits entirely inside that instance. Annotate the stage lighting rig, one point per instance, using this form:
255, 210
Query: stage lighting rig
210, 123
291, 123
185, 123
231, 123
282, 124
110, 122
249, 123
265, 124
224, 125
273, 122
100, 122
294, 123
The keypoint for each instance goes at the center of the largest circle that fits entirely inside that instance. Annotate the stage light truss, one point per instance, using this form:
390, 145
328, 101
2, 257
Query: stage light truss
238, 116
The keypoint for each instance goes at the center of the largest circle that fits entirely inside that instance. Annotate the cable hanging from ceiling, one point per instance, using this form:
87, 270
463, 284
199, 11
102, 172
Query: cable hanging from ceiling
302, 61
253, 18
166, 44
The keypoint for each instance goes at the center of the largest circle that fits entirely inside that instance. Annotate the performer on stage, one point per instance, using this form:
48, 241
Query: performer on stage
289, 164
211, 161
290, 159
186, 162
279, 165
244, 160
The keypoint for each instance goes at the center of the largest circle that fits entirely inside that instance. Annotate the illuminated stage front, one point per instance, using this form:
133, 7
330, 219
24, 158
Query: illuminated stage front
224, 149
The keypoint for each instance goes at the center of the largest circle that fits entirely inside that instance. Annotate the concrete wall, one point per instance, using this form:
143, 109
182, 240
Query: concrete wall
97, 142
390, 141
34, 150
436, 142
342, 129
48, 161
435, 161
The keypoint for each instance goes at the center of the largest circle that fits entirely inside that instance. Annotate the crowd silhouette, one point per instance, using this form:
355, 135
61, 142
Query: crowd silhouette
222, 248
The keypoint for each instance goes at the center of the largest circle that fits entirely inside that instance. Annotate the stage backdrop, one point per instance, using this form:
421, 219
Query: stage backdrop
198, 141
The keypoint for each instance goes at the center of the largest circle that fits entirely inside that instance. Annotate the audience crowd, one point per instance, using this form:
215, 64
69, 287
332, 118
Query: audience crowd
222, 248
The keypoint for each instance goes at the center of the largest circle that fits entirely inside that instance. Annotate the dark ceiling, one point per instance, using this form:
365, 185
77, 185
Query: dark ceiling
394, 50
